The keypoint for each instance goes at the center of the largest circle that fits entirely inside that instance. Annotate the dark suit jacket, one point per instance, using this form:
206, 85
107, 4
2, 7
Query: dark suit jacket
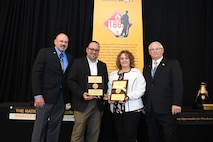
77, 82
165, 89
47, 76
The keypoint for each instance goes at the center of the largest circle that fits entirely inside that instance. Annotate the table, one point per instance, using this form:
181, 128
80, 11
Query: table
193, 125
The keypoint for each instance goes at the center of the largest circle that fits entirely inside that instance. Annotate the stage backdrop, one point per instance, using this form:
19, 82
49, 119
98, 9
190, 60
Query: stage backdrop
117, 26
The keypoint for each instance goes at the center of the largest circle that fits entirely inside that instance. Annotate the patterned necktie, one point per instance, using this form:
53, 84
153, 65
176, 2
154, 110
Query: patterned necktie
61, 61
154, 68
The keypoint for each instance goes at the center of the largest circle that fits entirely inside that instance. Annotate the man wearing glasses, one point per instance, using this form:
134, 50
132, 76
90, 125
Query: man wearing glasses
87, 108
163, 96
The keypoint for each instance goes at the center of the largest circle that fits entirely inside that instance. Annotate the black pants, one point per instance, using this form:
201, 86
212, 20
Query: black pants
161, 127
126, 126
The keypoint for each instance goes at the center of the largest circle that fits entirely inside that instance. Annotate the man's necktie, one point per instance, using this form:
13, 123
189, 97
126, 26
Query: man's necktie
62, 61
154, 68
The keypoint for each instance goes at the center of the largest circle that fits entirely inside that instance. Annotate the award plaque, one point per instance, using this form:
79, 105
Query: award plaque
95, 85
119, 90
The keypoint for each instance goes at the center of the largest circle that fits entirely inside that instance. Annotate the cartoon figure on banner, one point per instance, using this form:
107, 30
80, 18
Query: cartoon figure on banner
125, 22
118, 24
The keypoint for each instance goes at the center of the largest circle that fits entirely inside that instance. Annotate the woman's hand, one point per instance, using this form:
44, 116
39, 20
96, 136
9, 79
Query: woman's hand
124, 101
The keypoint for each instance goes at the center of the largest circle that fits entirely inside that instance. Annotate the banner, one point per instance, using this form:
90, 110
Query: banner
117, 25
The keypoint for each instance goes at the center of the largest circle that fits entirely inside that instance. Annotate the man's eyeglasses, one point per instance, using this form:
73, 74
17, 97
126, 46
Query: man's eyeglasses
155, 49
92, 49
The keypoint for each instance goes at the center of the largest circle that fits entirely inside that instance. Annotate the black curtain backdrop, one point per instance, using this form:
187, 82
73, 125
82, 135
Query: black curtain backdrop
183, 26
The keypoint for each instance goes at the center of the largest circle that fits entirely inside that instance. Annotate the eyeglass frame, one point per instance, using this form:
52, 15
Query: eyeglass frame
156, 49
92, 49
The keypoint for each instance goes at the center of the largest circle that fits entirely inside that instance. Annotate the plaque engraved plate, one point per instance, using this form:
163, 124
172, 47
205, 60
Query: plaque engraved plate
95, 85
119, 90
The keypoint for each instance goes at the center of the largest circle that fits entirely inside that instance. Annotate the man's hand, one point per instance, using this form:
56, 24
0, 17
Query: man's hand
87, 97
176, 109
39, 102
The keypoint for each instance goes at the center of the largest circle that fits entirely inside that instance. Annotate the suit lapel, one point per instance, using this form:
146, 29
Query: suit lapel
99, 68
54, 53
160, 67
149, 69
69, 60
87, 65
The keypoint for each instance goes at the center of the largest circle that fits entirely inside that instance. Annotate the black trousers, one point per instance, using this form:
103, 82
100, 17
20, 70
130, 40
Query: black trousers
126, 126
161, 127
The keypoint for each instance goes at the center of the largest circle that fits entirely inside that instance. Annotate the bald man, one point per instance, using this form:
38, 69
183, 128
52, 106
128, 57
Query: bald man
49, 75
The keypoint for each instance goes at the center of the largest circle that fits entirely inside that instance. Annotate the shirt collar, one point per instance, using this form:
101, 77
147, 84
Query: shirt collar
91, 61
58, 51
158, 60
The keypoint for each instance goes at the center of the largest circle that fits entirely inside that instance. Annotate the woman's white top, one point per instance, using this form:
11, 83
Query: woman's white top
135, 89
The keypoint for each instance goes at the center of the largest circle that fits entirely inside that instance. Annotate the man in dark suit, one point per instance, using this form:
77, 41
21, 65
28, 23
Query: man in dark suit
163, 96
87, 108
49, 76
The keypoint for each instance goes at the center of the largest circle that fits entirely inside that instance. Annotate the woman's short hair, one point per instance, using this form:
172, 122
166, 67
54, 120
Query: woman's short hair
129, 55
